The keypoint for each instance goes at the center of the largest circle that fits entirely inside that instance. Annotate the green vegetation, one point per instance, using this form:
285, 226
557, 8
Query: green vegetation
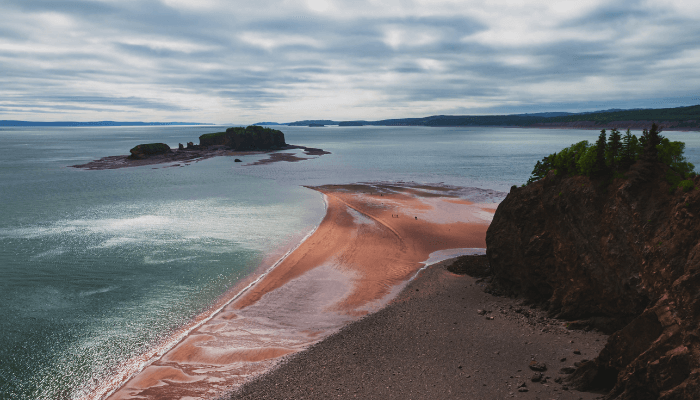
150, 149
254, 130
612, 155
253, 137
688, 116
212, 136
687, 185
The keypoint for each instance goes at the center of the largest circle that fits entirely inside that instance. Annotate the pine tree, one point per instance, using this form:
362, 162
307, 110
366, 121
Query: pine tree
652, 139
628, 152
601, 167
613, 149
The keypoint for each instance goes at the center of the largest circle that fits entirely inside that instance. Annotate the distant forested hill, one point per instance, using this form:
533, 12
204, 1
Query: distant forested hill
680, 118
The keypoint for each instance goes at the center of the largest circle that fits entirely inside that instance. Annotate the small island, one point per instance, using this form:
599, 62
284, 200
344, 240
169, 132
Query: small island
235, 141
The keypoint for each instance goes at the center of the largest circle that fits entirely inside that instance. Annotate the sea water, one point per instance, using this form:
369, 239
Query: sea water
97, 267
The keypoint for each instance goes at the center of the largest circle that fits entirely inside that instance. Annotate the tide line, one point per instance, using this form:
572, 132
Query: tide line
137, 364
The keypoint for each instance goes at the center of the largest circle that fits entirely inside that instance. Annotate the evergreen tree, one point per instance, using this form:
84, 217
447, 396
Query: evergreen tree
613, 149
601, 167
653, 139
628, 151
542, 167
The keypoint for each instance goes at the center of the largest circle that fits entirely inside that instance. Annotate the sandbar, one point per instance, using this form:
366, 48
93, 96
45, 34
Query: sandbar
371, 243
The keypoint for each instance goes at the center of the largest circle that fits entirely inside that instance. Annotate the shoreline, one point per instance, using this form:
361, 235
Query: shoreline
329, 280
132, 367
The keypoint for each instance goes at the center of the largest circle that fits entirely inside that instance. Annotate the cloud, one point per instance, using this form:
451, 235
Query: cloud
216, 61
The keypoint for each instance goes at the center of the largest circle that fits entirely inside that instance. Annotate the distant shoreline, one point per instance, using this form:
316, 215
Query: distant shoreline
19, 124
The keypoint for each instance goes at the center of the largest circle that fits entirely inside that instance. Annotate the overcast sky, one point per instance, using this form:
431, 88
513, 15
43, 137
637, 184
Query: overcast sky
250, 61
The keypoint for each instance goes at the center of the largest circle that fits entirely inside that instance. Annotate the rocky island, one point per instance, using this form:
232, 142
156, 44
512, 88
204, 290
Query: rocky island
235, 141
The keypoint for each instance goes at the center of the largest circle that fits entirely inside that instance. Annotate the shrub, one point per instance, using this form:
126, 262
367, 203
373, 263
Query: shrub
686, 185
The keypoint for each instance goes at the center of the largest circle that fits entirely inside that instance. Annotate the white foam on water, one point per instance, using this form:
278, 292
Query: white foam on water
97, 291
151, 260
252, 227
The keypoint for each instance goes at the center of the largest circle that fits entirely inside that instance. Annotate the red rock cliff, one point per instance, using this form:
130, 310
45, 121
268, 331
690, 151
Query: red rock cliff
623, 257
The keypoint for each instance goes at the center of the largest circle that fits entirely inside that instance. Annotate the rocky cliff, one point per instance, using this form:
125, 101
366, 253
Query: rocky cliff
251, 138
620, 256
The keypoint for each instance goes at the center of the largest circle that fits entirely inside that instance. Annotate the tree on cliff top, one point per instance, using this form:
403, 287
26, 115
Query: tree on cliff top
613, 149
629, 151
600, 167
651, 139
613, 155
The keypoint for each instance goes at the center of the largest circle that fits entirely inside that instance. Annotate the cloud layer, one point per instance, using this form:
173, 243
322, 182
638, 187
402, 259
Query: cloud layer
247, 61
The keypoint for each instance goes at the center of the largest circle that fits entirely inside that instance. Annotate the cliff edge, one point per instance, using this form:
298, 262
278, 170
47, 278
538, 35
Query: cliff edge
622, 256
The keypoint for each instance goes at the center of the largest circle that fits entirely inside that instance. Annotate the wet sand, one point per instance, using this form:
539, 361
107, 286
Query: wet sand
442, 337
369, 245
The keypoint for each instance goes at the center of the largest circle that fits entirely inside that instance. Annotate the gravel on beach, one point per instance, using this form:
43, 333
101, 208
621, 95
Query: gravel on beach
443, 337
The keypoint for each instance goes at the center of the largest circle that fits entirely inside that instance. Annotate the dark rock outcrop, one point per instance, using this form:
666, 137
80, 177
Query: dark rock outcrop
143, 151
476, 266
251, 138
623, 257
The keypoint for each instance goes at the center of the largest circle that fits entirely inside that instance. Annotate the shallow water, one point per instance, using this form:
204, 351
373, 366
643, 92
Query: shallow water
99, 266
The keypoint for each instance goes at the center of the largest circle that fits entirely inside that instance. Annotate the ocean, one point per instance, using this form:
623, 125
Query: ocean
97, 267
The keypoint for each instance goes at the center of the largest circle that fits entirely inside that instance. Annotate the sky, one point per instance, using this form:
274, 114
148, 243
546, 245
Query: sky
223, 61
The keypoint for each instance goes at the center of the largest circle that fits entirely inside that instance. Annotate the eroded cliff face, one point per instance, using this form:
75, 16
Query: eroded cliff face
622, 257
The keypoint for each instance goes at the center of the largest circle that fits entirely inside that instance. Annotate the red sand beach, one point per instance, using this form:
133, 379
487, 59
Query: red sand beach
369, 245
442, 338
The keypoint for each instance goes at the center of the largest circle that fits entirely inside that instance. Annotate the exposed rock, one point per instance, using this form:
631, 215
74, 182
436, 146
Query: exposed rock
476, 266
622, 257
537, 366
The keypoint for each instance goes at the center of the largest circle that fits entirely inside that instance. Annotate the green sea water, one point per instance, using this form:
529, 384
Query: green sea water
97, 267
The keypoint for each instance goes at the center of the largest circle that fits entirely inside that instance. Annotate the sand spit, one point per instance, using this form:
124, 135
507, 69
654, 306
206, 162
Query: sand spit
370, 243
